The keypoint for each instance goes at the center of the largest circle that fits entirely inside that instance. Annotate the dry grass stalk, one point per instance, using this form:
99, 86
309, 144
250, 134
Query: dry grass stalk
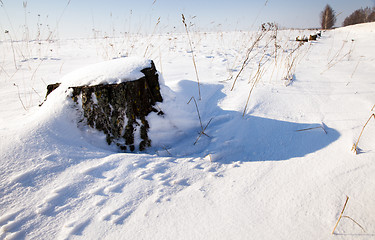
265, 29
337, 54
276, 47
52, 33
10, 78
14, 54
258, 75
19, 96
341, 216
355, 146
160, 62
202, 132
247, 57
196, 106
2, 69
36, 69
342, 211
36, 93
335, 60
203, 129
165, 148
192, 54
359, 225
149, 40
291, 64
355, 69
307, 129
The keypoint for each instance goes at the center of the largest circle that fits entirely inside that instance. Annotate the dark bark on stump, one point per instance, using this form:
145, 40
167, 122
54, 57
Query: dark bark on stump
119, 109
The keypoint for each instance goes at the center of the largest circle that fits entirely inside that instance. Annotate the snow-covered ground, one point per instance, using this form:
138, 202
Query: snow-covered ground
252, 176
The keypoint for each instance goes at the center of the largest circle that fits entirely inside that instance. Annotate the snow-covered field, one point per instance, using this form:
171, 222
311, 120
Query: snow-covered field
252, 176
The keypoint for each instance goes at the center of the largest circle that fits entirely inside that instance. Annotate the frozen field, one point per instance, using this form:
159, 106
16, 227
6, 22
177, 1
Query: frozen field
254, 175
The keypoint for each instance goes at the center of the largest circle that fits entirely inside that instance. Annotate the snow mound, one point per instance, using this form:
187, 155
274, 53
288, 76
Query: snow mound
164, 130
362, 27
281, 171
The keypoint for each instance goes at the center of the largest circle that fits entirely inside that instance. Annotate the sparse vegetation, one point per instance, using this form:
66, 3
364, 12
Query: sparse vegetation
265, 28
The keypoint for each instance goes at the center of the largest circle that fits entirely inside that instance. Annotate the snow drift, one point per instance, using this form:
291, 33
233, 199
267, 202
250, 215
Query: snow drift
282, 171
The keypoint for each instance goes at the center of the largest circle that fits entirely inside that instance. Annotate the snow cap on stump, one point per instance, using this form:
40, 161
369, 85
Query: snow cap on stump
115, 98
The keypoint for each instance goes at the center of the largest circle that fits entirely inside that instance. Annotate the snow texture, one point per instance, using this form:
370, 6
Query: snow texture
280, 168
109, 72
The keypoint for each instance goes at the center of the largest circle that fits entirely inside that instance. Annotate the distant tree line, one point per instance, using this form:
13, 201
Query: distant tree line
362, 15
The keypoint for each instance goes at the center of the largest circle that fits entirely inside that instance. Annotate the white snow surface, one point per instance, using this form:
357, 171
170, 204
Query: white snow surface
280, 168
108, 72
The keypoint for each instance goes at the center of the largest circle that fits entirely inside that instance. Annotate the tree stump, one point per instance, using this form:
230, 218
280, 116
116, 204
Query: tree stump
120, 110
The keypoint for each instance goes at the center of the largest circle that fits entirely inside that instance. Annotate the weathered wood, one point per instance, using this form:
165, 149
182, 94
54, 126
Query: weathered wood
118, 110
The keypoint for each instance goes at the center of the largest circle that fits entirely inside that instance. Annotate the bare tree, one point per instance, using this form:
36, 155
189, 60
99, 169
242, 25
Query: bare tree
327, 17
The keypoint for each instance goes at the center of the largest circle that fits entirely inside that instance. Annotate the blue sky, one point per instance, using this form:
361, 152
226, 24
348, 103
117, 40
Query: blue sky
78, 18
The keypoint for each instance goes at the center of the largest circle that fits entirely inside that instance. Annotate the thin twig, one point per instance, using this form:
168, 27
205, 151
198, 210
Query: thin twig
354, 148
165, 148
200, 121
342, 211
196, 106
13, 74
36, 92
333, 63
355, 69
291, 64
355, 222
192, 54
306, 129
19, 96
36, 69
4, 71
202, 132
61, 67
341, 216
149, 40
58, 21
247, 58
258, 75
14, 54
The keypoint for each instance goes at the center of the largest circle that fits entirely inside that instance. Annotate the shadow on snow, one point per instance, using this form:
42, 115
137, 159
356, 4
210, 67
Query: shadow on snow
233, 138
